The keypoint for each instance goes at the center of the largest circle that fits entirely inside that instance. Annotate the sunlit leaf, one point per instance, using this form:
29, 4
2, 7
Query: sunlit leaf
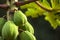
58, 21
50, 17
32, 9
31, 12
55, 4
46, 4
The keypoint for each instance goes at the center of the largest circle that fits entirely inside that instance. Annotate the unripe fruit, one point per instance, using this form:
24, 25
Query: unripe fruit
28, 27
2, 22
9, 31
19, 18
25, 35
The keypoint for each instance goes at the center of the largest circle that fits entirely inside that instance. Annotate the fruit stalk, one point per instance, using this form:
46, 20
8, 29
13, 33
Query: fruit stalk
8, 16
20, 3
4, 6
40, 5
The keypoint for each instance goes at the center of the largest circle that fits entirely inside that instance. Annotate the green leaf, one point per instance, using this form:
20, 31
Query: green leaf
46, 4
55, 4
50, 17
31, 12
58, 21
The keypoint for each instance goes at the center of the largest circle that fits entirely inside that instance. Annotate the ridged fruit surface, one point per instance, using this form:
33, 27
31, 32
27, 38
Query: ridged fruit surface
9, 31
26, 35
2, 22
28, 27
19, 18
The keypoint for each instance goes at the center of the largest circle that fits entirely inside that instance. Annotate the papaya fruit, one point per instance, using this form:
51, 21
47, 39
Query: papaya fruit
9, 31
2, 22
26, 35
19, 18
28, 27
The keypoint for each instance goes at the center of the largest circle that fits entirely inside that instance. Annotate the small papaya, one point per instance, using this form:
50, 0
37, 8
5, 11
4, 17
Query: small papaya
28, 27
2, 22
9, 31
19, 18
26, 35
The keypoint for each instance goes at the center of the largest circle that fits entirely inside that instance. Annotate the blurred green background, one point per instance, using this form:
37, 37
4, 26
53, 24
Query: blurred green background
43, 30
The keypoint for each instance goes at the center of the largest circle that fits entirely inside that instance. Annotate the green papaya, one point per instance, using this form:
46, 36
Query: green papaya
19, 18
9, 31
2, 22
26, 35
28, 27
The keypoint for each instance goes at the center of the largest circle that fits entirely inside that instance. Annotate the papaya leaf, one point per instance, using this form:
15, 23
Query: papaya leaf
58, 21
50, 17
46, 4
55, 4
33, 10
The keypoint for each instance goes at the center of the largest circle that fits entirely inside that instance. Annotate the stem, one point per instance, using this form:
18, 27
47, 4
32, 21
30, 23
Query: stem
8, 16
40, 5
13, 7
4, 6
21, 30
23, 2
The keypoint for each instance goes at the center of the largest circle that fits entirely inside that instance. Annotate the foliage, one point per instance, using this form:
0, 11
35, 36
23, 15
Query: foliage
53, 17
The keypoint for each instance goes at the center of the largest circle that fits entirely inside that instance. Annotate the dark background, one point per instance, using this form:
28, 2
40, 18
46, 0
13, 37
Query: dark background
43, 30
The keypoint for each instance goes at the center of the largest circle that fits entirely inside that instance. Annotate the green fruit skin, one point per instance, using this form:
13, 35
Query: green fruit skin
9, 31
28, 27
26, 35
19, 18
2, 22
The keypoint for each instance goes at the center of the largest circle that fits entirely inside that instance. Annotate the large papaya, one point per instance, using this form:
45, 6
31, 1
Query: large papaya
26, 35
2, 22
28, 27
9, 31
19, 18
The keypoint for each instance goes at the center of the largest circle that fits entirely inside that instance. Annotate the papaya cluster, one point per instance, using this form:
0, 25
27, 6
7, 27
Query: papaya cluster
16, 29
